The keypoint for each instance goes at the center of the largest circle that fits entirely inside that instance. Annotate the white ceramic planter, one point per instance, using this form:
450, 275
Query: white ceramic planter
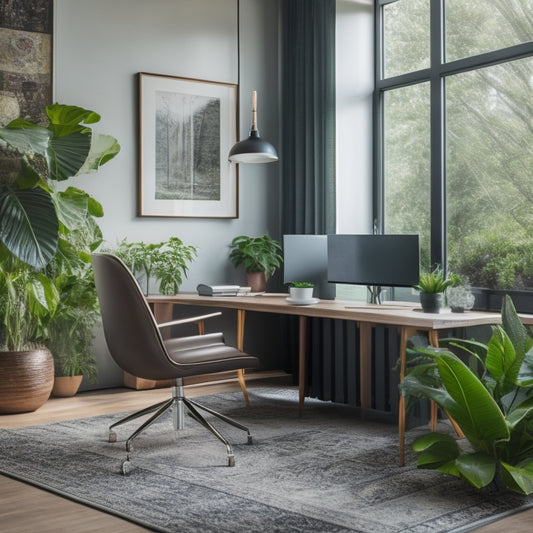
301, 294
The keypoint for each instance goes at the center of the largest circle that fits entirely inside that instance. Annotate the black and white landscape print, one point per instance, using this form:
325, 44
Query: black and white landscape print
187, 147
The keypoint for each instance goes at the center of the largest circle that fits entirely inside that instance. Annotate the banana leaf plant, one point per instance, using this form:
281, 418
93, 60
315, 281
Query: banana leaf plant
39, 223
491, 399
33, 159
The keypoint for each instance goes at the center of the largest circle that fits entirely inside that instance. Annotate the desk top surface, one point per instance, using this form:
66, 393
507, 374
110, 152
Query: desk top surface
390, 313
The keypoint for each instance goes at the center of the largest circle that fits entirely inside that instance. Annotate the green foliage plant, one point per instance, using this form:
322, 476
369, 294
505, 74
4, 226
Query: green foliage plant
28, 299
302, 284
500, 260
434, 282
35, 158
71, 328
256, 254
38, 222
167, 261
492, 402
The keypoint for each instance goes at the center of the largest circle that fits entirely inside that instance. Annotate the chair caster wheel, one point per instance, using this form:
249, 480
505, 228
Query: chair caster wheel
231, 460
125, 468
112, 436
250, 440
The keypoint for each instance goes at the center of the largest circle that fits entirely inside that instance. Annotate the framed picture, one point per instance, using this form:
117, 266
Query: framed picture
187, 128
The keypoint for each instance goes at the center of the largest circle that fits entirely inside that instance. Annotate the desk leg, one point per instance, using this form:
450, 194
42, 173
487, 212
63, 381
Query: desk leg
163, 313
241, 315
434, 341
365, 365
406, 332
302, 361
433, 337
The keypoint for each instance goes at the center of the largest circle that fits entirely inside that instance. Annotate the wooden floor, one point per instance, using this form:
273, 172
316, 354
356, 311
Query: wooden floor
24, 508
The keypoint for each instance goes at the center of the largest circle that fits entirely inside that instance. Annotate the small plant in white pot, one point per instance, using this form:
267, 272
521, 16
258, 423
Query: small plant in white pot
301, 291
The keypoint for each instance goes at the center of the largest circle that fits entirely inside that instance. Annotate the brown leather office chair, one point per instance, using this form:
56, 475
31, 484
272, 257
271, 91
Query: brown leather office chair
135, 343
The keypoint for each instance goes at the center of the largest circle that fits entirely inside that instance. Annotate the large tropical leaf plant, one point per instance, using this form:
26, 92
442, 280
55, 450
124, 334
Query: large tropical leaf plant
490, 398
38, 221
34, 159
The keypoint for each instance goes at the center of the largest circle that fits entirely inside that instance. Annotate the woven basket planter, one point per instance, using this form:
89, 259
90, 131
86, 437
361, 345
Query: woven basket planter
26, 380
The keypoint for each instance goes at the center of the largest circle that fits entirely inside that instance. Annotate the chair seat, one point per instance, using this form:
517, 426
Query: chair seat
201, 354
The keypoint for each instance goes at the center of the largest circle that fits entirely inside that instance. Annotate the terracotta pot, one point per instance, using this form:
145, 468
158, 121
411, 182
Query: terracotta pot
66, 386
257, 281
26, 380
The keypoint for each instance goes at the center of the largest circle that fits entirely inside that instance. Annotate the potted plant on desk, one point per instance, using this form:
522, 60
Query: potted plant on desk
431, 286
260, 257
301, 291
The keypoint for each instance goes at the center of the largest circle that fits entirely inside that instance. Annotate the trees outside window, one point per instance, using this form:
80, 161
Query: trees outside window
454, 122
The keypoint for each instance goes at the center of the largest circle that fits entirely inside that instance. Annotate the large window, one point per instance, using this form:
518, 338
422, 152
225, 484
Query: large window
454, 123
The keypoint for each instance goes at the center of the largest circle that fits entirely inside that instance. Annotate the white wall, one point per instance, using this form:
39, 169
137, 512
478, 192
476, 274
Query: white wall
100, 46
355, 84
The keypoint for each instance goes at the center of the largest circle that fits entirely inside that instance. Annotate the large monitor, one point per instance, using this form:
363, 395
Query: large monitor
305, 258
374, 260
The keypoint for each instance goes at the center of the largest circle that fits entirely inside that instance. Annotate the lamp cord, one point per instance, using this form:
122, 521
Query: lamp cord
238, 68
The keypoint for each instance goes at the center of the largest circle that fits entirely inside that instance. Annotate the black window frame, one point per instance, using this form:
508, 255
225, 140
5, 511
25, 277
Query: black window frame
436, 74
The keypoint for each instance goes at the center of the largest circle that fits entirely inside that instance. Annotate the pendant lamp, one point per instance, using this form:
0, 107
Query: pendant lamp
254, 149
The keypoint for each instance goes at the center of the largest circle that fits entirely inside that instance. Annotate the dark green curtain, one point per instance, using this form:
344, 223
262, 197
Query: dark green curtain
307, 140
308, 117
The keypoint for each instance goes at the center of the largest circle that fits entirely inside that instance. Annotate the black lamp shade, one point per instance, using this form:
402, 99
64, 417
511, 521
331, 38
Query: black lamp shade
254, 149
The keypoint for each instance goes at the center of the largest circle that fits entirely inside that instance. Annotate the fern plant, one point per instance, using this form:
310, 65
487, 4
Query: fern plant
434, 282
167, 261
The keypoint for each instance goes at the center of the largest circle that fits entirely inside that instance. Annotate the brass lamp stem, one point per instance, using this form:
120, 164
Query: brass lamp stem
254, 110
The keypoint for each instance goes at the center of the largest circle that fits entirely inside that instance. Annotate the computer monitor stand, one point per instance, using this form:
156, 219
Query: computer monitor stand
374, 294
325, 290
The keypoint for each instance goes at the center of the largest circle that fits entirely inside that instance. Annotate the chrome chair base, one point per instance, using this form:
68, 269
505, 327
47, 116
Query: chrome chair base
176, 405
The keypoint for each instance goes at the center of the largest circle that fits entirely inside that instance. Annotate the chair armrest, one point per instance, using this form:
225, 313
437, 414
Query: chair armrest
188, 320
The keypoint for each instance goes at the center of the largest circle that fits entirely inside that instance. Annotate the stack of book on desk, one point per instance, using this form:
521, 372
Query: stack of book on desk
221, 290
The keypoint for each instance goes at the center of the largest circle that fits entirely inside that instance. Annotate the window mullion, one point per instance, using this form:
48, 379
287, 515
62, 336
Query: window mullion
378, 129
438, 207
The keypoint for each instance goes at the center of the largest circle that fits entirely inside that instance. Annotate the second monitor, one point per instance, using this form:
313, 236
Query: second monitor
374, 260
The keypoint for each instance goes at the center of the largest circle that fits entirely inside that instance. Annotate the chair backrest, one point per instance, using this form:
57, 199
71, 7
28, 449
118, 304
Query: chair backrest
130, 329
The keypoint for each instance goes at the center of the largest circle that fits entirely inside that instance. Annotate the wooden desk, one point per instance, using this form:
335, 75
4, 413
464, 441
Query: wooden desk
408, 317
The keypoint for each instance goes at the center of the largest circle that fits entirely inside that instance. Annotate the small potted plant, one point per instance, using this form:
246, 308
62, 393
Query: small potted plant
301, 291
431, 286
260, 257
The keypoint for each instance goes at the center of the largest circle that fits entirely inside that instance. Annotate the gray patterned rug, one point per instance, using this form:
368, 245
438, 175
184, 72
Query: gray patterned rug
326, 471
